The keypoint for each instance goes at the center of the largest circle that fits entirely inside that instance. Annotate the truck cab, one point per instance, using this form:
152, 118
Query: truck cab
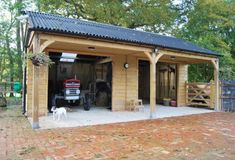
71, 90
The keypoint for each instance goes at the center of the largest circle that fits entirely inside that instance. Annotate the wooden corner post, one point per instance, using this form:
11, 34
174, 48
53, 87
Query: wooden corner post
152, 86
35, 107
216, 82
153, 58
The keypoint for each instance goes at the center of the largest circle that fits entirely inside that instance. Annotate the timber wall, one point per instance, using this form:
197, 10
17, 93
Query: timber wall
182, 77
42, 92
29, 89
125, 81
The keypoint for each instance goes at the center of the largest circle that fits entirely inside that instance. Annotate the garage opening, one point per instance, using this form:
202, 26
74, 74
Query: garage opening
165, 82
79, 81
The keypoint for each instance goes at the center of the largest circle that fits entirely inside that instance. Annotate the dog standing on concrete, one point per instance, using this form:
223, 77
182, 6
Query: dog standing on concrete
58, 112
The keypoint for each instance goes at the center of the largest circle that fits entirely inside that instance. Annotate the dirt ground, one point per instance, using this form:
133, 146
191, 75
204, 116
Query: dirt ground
209, 136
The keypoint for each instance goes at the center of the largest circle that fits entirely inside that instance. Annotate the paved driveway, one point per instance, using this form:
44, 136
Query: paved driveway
208, 136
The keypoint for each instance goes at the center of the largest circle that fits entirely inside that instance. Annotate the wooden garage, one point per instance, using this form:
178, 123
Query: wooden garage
144, 65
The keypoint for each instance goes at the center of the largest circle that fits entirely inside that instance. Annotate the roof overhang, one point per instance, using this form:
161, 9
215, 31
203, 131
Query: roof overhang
43, 22
152, 47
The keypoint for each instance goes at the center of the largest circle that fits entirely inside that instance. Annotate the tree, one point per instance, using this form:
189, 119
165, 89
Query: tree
210, 24
10, 48
19, 7
8, 29
152, 15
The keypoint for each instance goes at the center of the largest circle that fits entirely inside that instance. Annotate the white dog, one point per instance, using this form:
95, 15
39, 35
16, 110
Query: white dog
58, 112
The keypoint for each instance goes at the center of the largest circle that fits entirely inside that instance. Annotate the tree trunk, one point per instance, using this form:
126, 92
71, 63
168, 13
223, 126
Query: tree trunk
18, 43
11, 66
1, 64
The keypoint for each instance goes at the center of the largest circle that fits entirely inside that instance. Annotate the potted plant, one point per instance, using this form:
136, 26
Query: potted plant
173, 103
39, 59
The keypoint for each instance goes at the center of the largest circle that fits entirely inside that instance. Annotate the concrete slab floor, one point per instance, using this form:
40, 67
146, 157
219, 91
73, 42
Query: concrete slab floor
100, 115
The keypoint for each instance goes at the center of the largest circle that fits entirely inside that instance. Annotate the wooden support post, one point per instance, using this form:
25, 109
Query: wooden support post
153, 58
186, 92
152, 88
35, 107
216, 81
212, 94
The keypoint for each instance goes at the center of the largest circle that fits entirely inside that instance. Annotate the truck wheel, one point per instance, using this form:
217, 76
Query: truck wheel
87, 107
87, 103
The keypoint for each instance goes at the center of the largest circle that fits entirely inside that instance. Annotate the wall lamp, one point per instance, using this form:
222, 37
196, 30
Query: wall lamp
126, 65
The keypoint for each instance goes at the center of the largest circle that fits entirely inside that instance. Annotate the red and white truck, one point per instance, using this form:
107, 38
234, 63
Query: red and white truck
71, 90
72, 94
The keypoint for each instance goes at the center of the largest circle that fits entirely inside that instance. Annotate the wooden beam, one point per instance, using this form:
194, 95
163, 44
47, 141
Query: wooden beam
170, 61
149, 56
30, 48
106, 60
186, 55
114, 45
188, 52
46, 44
128, 47
30, 42
216, 81
163, 59
78, 52
191, 60
95, 43
158, 56
36, 49
215, 64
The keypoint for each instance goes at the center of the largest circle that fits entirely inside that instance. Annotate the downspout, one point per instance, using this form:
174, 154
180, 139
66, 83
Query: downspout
24, 92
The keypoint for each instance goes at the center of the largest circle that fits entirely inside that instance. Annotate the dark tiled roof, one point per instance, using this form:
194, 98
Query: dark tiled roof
59, 24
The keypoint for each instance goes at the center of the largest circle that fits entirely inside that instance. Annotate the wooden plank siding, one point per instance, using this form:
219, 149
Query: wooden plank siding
182, 77
118, 83
125, 81
132, 79
42, 90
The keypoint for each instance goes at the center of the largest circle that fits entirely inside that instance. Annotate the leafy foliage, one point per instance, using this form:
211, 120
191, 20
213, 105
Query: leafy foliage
208, 23
39, 59
9, 68
154, 15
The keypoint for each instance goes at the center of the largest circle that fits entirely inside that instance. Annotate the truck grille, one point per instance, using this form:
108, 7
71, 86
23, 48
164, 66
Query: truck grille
72, 91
